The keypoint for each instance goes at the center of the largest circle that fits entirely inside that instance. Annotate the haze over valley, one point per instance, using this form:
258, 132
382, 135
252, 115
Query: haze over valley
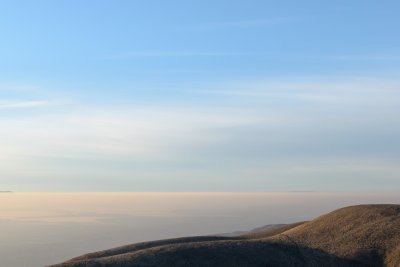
40, 229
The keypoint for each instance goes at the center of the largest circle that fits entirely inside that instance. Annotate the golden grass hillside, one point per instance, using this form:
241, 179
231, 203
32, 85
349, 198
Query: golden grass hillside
365, 235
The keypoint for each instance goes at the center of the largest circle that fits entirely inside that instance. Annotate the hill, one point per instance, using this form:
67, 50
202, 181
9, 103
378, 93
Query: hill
364, 235
258, 229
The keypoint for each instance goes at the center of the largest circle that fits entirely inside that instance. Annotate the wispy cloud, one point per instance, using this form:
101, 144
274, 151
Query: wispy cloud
221, 25
164, 53
288, 95
149, 133
365, 57
23, 104
333, 90
258, 125
255, 22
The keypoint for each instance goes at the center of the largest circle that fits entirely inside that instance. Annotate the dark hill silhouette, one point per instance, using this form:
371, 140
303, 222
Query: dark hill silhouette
364, 235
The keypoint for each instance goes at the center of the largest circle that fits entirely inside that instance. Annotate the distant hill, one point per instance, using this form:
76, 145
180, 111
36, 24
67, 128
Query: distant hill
364, 235
265, 227
272, 231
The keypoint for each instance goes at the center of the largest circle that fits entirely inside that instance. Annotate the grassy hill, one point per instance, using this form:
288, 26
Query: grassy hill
364, 235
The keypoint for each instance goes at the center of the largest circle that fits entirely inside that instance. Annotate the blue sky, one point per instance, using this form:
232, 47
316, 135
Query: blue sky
199, 95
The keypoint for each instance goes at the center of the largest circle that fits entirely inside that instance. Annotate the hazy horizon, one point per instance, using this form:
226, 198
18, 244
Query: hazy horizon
38, 229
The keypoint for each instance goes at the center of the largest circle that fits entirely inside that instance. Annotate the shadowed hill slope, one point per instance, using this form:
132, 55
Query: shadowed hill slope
220, 253
146, 245
365, 235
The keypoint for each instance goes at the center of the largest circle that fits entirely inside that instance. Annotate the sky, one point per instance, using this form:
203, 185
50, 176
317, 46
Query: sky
199, 96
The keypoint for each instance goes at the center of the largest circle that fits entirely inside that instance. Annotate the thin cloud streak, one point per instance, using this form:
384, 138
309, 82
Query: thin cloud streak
254, 22
161, 53
360, 90
371, 57
303, 96
109, 132
222, 25
24, 104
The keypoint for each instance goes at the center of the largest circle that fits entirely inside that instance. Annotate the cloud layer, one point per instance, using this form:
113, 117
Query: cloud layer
305, 133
